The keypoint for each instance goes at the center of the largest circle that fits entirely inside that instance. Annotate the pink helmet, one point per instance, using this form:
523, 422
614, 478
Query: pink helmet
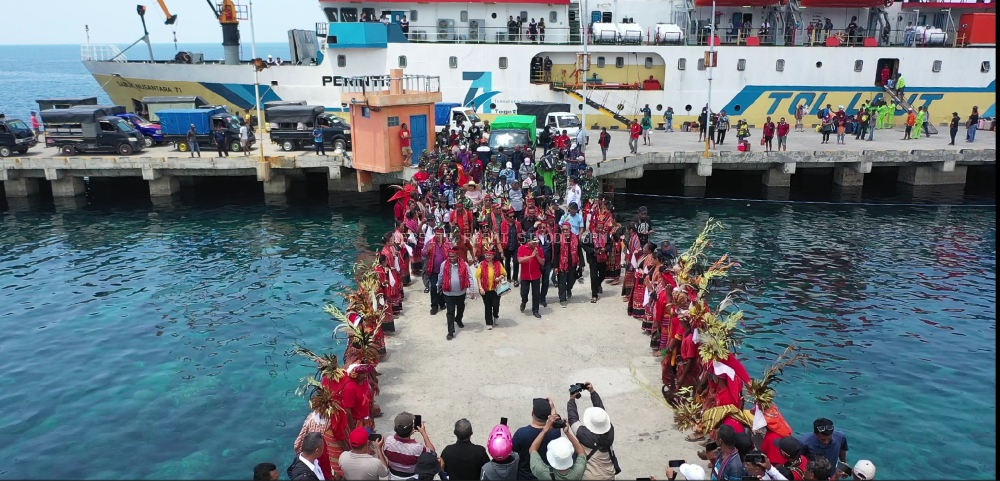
500, 443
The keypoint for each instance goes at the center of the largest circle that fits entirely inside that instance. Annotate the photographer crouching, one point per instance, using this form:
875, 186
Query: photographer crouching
595, 432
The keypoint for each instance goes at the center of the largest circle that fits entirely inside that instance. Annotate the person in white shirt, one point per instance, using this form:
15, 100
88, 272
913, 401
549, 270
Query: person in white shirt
573, 192
306, 465
245, 139
582, 138
357, 463
757, 465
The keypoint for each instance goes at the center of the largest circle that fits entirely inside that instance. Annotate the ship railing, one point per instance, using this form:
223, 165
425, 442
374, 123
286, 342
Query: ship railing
409, 83
101, 53
836, 37
448, 33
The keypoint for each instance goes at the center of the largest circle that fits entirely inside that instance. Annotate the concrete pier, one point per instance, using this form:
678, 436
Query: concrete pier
68, 187
164, 186
932, 175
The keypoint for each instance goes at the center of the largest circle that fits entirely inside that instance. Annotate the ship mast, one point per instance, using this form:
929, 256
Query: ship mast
586, 66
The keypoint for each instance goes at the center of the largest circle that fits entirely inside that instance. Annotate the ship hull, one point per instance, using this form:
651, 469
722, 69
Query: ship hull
747, 82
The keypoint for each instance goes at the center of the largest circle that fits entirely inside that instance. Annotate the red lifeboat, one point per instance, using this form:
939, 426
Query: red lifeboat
845, 3
738, 3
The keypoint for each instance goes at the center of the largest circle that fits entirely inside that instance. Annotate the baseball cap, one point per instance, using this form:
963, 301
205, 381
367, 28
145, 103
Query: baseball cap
864, 469
692, 471
427, 463
789, 445
403, 420
359, 437
540, 408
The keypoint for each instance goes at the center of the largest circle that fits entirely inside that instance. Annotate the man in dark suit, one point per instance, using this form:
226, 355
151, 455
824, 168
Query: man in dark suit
306, 465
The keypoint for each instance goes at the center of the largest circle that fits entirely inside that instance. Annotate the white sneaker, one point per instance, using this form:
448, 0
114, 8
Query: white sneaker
489, 328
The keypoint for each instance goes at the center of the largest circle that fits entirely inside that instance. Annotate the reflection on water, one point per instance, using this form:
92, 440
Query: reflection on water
164, 329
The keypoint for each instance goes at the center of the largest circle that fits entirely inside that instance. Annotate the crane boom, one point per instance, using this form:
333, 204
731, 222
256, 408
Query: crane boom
171, 19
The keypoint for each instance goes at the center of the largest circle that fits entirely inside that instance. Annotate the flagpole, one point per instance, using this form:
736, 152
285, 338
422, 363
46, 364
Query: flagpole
711, 62
256, 86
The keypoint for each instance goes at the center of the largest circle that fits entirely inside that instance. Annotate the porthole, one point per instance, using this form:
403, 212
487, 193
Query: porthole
741, 64
453, 62
503, 62
620, 62
936, 66
402, 61
819, 64
493, 106
649, 62
659, 107
341, 60
553, 16
688, 107
600, 62
413, 15
859, 65
737, 107
701, 64
985, 67
493, 15
682, 64
779, 65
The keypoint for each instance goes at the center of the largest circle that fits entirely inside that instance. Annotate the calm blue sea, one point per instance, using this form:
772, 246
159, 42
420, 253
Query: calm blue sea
32, 72
151, 342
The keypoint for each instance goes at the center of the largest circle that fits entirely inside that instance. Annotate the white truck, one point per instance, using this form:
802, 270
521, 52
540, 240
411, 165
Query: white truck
551, 114
447, 114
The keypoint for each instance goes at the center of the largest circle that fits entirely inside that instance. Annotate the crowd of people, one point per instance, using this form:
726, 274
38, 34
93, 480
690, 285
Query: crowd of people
525, 233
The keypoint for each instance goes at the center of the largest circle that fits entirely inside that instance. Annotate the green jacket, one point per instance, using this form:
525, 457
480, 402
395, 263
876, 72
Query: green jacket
543, 471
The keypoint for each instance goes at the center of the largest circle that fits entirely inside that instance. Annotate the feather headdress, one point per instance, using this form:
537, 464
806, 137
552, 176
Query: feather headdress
763, 390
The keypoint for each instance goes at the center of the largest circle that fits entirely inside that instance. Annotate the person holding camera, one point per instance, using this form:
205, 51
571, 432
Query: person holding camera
525, 436
464, 460
358, 463
559, 463
595, 432
758, 466
402, 451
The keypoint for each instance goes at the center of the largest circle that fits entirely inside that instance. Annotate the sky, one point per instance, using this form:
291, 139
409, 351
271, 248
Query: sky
115, 21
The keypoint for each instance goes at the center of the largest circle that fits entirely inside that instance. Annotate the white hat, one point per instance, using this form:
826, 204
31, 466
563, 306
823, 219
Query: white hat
864, 469
560, 453
692, 471
596, 420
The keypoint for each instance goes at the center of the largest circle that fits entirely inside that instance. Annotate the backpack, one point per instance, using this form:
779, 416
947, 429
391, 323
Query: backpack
819, 115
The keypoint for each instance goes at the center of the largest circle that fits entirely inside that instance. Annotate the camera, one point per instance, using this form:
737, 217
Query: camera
559, 424
576, 389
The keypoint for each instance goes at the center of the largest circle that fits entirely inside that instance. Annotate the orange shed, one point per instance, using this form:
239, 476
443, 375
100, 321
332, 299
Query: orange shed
977, 29
380, 106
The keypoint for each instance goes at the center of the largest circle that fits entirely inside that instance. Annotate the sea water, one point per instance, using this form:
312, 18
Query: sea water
143, 341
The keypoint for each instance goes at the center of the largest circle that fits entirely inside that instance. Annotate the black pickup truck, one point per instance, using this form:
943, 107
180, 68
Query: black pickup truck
292, 127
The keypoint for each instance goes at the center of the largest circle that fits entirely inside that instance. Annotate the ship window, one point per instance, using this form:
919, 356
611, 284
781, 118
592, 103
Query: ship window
553, 16
393, 121
649, 62
780, 65
341, 60
331, 14
936, 67
682, 64
366, 112
493, 15
402, 61
463, 16
503, 62
600, 62
985, 67
701, 63
348, 15
620, 62
370, 13
453, 62
524, 16
413, 15
819, 64
741, 64
859, 65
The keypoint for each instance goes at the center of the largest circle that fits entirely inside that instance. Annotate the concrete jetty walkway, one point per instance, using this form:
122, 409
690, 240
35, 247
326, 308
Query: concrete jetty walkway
483, 375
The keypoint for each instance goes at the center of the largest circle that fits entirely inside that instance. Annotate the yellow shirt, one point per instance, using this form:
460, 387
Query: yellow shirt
489, 277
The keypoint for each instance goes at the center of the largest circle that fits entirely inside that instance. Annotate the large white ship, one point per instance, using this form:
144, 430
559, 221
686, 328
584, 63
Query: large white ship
772, 56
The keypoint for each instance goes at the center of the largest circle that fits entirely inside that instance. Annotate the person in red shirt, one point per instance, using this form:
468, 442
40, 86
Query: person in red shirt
530, 257
769, 129
783, 129
358, 397
635, 131
562, 141
404, 144
886, 73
